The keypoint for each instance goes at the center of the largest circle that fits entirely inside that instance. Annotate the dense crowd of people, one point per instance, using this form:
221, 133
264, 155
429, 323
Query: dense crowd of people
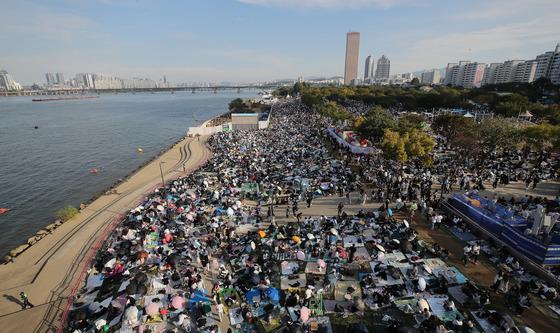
208, 252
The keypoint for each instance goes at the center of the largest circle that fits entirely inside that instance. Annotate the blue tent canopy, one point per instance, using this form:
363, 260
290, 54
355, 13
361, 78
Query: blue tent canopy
199, 296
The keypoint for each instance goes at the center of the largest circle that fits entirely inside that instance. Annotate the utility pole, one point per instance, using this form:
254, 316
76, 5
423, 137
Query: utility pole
161, 172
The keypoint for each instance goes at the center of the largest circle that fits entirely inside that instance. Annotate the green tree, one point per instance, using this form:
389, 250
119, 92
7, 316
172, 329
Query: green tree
542, 136
415, 81
299, 88
496, 133
512, 105
419, 144
375, 123
334, 111
411, 121
310, 99
393, 146
450, 125
236, 104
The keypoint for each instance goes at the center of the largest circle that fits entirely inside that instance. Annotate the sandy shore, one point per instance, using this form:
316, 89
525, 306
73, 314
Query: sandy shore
48, 270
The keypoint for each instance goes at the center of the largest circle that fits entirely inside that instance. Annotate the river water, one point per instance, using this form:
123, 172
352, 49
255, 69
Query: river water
45, 169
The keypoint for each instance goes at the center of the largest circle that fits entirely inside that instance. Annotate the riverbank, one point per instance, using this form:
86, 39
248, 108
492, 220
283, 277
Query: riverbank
48, 229
47, 270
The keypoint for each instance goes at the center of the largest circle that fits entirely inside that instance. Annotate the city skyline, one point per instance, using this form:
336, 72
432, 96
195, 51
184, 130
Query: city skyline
252, 40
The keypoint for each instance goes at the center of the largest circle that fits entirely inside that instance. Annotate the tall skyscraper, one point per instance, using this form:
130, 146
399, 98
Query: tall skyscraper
50, 79
59, 78
7, 82
383, 68
368, 70
352, 55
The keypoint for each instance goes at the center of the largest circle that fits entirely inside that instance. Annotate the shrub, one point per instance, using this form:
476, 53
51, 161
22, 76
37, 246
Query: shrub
66, 213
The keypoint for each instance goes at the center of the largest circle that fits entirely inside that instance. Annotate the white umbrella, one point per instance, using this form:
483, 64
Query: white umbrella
406, 223
160, 208
380, 247
421, 284
334, 231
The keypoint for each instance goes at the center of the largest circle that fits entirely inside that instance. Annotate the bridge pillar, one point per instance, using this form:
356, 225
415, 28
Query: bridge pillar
215, 90
193, 90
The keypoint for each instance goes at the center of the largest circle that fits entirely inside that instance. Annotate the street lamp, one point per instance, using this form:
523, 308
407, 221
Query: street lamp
161, 172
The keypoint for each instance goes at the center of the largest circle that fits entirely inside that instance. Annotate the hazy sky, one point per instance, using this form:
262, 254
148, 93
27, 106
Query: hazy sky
246, 40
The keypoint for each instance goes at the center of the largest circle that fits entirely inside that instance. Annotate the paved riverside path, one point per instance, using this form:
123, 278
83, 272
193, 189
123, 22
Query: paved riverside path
47, 271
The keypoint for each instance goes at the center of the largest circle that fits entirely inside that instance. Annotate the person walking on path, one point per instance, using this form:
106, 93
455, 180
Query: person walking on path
497, 280
220, 309
466, 253
340, 208
475, 252
25, 301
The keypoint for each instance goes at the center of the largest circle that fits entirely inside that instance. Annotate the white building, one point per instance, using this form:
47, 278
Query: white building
465, 74
525, 71
506, 71
430, 77
7, 83
368, 70
490, 73
554, 74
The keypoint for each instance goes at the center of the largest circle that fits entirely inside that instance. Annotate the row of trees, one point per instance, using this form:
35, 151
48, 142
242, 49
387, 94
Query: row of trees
507, 100
495, 133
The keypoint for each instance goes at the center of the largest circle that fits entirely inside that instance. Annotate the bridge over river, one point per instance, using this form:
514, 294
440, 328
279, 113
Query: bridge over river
77, 91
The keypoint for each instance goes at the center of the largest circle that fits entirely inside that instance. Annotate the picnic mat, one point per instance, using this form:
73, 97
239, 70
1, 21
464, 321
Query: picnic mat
235, 316
353, 240
341, 288
329, 305
289, 267
361, 255
286, 283
457, 293
313, 268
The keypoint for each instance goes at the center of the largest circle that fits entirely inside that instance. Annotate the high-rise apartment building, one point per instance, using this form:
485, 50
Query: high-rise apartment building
7, 83
525, 71
368, 70
465, 74
60, 78
84, 80
50, 79
430, 77
506, 71
451, 72
383, 68
490, 73
554, 74
352, 55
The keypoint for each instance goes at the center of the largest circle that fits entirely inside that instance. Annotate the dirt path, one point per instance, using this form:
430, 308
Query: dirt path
47, 271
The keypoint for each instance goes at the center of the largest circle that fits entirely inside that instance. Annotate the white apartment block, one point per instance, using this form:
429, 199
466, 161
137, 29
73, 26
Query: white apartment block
506, 71
525, 71
465, 74
430, 77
